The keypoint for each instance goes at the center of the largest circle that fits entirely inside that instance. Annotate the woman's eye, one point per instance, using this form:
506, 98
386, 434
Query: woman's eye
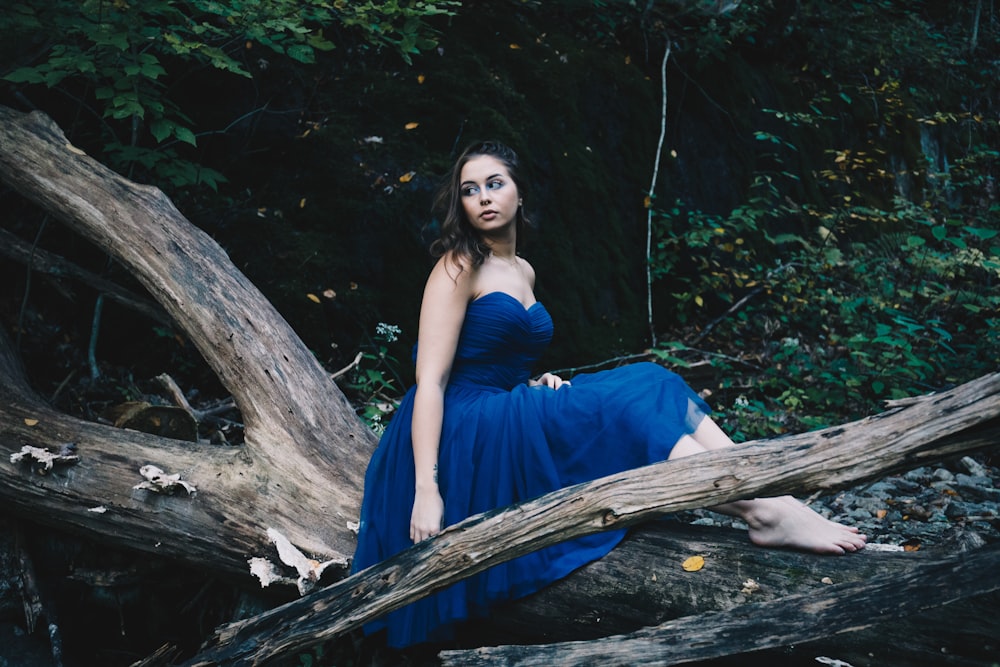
469, 190
493, 185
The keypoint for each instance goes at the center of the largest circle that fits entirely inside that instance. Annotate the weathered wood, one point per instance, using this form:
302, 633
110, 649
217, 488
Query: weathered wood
934, 427
752, 627
301, 469
641, 584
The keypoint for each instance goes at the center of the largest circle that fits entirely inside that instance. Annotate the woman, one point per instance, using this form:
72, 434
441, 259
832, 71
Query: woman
475, 433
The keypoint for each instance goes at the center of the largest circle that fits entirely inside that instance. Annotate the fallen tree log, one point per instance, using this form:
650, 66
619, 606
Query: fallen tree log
913, 433
301, 469
840, 608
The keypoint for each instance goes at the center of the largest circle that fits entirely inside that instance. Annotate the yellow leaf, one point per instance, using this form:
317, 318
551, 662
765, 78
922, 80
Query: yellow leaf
647, 202
407, 177
880, 514
628, 60
693, 564
421, 78
673, 153
28, 421
249, 44
876, 71
698, 300
412, 126
515, 46
313, 298
302, 203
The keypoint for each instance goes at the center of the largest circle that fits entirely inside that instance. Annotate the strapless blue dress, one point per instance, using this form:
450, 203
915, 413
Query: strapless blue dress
504, 442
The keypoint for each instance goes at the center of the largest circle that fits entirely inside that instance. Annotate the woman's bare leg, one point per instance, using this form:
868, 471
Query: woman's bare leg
774, 522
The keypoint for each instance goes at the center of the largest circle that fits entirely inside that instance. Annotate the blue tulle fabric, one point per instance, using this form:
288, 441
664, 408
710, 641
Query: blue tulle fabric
504, 442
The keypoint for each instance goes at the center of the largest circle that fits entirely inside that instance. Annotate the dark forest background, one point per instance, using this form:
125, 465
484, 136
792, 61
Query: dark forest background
824, 226
833, 164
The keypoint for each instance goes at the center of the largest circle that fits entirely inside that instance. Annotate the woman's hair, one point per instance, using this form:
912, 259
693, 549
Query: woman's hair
457, 233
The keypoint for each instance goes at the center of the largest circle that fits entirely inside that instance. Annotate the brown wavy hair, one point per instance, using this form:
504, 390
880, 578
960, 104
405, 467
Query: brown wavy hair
457, 233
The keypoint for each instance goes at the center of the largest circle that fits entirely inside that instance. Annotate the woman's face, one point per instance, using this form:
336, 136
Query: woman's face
489, 196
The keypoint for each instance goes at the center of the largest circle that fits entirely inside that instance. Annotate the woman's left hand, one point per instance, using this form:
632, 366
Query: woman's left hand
550, 380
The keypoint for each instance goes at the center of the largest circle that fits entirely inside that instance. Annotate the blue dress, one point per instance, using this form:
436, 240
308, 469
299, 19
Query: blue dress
504, 442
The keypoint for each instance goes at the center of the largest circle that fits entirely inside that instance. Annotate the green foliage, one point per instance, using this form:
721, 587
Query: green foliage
843, 317
873, 274
120, 59
374, 381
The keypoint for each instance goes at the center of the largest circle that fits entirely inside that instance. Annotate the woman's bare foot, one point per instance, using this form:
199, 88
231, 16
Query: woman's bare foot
785, 522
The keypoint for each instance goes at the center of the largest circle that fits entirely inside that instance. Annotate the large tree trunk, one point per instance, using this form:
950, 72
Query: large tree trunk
301, 469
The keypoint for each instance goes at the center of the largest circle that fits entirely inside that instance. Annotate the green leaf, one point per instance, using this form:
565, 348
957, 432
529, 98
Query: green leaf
25, 75
161, 129
184, 134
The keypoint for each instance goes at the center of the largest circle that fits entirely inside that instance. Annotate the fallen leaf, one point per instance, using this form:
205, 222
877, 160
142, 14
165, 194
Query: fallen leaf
880, 514
313, 298
302, 203
826, 580
412, 126
28, 421
750, 586
329, 294
515, 46
647, 202
407, 177
693, 564
421, 78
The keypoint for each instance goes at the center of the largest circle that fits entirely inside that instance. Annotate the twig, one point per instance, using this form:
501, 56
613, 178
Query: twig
348, 367
95, 327
176, 395
607, 362
732, 309
27, 283
652, 188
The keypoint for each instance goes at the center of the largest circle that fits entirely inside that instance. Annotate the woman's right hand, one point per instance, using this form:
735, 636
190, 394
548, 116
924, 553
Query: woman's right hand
427, 516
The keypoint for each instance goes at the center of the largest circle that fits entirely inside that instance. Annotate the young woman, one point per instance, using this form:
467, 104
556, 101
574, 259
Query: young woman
476, 433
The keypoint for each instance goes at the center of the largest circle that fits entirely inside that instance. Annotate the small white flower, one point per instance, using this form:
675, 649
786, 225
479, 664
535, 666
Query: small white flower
389, 332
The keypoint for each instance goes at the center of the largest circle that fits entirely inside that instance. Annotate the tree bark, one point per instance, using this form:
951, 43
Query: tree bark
301, 469
915, 432
838, 609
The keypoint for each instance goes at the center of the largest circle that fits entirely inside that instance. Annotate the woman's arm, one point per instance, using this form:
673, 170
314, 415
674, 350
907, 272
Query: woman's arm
446, 297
